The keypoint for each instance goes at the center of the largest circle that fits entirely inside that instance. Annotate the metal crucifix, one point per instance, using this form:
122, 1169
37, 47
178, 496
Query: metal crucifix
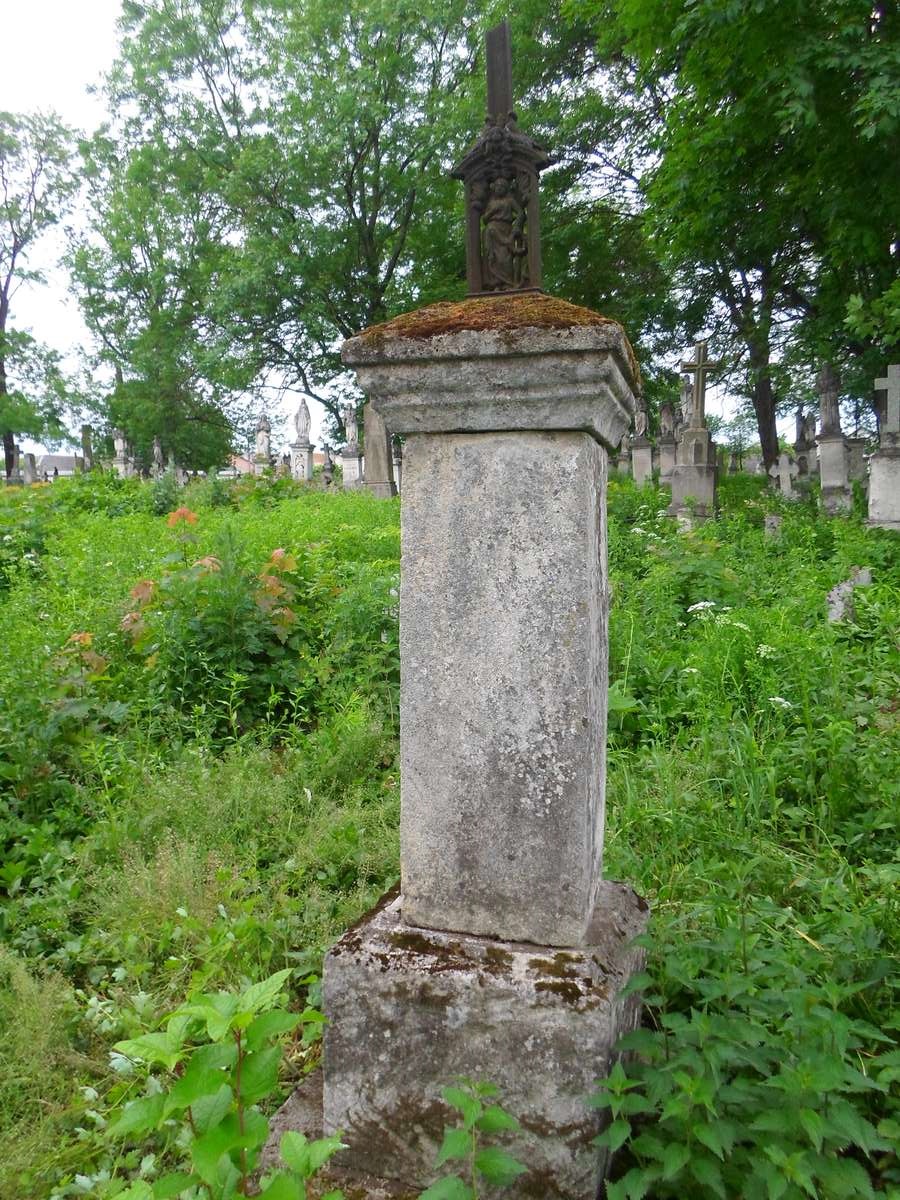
500, 172
700, 368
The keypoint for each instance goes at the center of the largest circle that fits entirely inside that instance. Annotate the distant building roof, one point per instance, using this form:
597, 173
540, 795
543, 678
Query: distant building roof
63, 463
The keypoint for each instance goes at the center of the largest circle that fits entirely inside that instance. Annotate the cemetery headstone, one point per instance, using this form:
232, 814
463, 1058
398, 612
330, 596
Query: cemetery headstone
772, 525
29, 470
15, 472
641, 447
884, 465
121, 463
327, 466
351, 454
805, 442
379, 467
159, 464
840, 598
833, 458
504, 934
785, 471
694, 476
733, 463
666, 443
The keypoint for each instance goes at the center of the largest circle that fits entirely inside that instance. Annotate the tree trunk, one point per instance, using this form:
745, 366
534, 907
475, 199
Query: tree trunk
9, 451
764, 402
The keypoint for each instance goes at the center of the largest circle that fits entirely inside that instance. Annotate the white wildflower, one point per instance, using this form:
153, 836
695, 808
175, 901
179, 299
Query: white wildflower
701, 605
780, 702
638, 529
765, 651
689, 671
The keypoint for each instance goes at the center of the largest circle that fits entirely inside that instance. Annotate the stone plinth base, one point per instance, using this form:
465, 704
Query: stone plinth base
641, 460
884, 488
693, 491
352, 468
833, 464
410, 1010
302, 461
383, 490
666, 460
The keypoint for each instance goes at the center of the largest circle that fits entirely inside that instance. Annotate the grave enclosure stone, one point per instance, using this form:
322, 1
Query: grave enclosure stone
504, 935
884, 465
694, 475
832, 445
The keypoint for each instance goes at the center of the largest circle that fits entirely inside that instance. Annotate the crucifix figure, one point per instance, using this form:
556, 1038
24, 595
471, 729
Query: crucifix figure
500, 173
700, 368
891, 385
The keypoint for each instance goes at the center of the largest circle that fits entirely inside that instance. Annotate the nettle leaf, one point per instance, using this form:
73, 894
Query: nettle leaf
633, 1186
206, 1151
498, 1166
321, 1150
674, 1160
139, 1116
844, 1177
494, 1119
813, 1125
708, 1174
615, 1135
259, 1074
294, 1149
457, 1143
191, 1087
262, 995
451, 1188
269, 1025
711, 1137
283, 1187
470, 1108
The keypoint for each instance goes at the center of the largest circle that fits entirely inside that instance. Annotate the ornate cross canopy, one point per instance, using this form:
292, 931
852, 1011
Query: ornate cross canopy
500, 172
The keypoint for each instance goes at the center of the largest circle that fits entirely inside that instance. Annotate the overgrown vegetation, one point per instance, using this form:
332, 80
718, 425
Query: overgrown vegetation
198, 763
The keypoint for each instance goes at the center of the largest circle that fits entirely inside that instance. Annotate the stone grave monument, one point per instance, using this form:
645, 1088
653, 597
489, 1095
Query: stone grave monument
641, 448
505, 954
833, 458
262, 454
621, 460
121, 462
327, 466
351, 454
301, 460
884, 465
694, 476
379, 476
14, 476
666, 443
805, 443
785, 471
29, 470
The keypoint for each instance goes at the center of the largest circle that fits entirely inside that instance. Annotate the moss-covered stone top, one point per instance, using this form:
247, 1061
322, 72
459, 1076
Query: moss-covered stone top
502, 313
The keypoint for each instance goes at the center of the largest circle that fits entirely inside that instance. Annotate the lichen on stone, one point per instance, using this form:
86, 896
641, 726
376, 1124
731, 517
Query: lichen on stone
503, 312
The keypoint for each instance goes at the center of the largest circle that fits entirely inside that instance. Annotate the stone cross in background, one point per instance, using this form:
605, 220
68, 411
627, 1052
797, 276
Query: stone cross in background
700, 367
785, 471
884, 465
891, 385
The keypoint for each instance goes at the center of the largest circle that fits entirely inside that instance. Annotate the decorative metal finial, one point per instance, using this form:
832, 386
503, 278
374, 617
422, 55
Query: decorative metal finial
500, 173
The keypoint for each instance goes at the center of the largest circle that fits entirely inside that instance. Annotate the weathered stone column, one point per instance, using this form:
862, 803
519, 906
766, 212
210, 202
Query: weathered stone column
884, 465
833, 472
302, 461
379, 475
666, 443
504, 936
641, 459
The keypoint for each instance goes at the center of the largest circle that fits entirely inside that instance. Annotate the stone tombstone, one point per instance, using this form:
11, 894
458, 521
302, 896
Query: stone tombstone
857, 467
121, 464
504, 934
666, 443
352, 467
772, 525
159, 462
884, 465
15, 472
87, 448
351, 426
734, 465
327, 466
785, 471
805, 442
29, 469
666, 420
379, 476
641, 459
832, 445
694, 474
301, 461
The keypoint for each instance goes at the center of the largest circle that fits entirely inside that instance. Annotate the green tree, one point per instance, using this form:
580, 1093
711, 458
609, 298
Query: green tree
36, 186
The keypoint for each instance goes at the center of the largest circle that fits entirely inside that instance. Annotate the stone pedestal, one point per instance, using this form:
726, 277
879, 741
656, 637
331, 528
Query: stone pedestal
506, 955
351, 467
666, 459
411, 1009
29, 469
833, 464
857, 468
694, 476
884, 486
302, 461
641, 460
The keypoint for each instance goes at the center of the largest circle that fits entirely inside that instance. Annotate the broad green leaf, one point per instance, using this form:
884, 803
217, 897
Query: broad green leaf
494, 1119
139, 1190
190, 1087
710, 1136
169, 1186
269, 1025
321, 1150
282, 1186
139, 1116
262, 995
813, 1125
498, 1166
206, 1151
295, 1152
614, 1135
259, 1074
707, 1173
457, 1143
208, 1110
451, 1188
150, 1048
